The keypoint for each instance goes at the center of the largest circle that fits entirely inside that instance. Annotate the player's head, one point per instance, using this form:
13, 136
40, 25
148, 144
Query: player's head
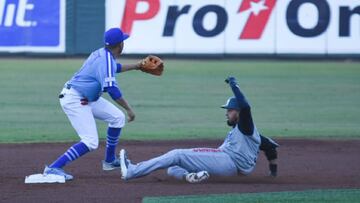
232, 111
114, 40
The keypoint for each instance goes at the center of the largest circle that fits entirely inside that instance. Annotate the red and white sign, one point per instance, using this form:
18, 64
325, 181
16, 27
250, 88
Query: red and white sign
237, 26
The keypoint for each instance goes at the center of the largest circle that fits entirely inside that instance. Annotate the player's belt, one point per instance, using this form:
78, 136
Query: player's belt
83, 101
67, 86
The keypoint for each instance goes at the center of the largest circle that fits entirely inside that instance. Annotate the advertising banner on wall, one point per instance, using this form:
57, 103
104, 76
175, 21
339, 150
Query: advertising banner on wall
238, 26
32, 26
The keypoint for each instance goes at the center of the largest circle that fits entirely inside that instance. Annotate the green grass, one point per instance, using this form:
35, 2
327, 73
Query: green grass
312, 196
302, 99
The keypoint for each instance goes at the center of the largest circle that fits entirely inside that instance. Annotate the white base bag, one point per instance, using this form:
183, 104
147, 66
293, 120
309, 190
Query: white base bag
41, 178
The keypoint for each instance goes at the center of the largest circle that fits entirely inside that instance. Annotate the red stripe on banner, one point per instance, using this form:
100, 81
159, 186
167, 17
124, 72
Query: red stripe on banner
256, 23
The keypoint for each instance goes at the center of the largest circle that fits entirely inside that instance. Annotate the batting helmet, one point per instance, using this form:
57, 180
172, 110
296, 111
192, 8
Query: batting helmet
231, 103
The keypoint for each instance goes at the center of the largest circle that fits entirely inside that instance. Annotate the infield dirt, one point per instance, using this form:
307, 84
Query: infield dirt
303, 165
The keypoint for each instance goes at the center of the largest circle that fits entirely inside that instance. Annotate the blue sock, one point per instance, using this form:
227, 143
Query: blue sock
74, 152
112, 138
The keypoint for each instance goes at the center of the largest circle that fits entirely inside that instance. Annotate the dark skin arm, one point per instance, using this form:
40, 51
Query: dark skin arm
123, 103
129, 67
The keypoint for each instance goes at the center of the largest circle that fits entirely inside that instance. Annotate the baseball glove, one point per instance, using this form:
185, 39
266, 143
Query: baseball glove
152, 65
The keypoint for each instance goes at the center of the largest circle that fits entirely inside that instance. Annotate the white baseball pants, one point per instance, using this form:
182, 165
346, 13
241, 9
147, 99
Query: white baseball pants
82, 117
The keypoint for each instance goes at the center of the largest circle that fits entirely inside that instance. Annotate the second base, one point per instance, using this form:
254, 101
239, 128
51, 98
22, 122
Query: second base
41, 178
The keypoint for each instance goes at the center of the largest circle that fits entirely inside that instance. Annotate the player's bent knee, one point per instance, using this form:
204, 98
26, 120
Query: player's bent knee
170, 171
176, 172
118, 120
173, 152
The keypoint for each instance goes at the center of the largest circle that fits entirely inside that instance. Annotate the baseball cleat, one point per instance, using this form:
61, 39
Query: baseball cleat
124, 163
111, 166
197, 177
57, 171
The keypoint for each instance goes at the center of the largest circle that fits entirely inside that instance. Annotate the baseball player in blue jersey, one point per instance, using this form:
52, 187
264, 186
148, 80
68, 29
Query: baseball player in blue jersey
82, 103
237, 154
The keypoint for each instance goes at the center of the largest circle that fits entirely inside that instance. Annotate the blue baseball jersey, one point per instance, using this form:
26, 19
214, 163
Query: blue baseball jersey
97, 73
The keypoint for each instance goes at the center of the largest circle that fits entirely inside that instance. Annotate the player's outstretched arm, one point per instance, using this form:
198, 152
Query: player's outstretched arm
237, 92
245, 123
127, 67
151, 64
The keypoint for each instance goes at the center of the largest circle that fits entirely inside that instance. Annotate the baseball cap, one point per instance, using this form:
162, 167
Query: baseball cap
231, 103
114, 36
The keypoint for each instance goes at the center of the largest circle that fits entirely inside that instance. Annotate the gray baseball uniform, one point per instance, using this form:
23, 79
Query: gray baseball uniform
237, 154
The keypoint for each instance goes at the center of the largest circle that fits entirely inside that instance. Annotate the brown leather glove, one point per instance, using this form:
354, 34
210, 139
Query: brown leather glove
152, 65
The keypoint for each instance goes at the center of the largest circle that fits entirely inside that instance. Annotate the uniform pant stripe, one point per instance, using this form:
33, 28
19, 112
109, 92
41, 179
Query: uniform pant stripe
70, 153
74, 151
112, 138
113, 142
68, 156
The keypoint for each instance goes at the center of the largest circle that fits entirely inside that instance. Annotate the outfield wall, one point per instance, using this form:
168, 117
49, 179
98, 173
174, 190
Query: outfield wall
181, 27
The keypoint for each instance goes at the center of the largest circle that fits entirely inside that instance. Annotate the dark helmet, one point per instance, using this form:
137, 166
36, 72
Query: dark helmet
231, 103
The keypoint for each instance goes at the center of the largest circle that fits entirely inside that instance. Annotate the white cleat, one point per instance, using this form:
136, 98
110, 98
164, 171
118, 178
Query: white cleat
124, 164
57, 171
197, 177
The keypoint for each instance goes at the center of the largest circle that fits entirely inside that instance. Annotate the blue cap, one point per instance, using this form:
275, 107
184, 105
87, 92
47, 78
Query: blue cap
231, 103
114, 36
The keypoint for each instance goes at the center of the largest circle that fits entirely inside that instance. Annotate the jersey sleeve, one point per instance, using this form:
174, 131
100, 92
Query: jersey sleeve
114, 92
118, 68
245, 124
